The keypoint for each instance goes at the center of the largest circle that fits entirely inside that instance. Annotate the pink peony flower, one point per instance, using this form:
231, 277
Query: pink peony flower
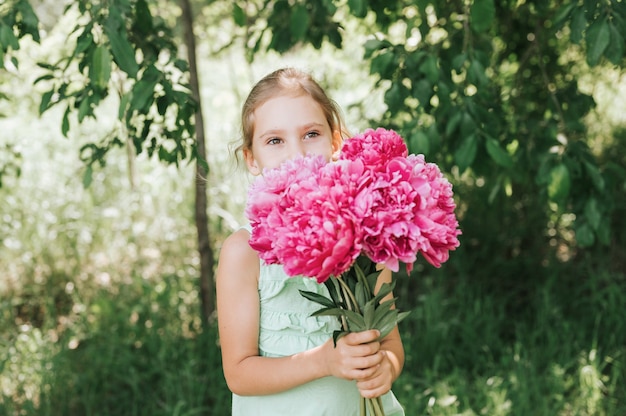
374, 147
325, 236
315, 218
270, 196
314, 227
438, 221
392, 233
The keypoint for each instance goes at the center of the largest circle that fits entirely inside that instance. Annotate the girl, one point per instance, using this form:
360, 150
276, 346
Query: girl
277, 359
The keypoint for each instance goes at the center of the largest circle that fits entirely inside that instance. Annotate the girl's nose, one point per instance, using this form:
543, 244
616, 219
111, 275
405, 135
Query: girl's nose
296, 149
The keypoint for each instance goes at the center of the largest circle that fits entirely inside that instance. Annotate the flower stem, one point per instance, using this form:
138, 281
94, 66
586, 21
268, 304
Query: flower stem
348, 296
377, 403
374, 405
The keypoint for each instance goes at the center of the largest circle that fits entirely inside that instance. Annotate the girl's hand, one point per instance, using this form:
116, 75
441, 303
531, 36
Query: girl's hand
380, 382
357, 356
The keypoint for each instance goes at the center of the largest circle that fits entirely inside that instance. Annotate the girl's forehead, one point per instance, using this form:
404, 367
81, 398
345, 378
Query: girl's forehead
288, 107
286, 95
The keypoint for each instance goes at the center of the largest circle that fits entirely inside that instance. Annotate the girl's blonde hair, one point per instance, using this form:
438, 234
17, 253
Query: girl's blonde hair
286, 81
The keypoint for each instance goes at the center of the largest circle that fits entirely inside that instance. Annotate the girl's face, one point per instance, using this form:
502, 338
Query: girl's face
288, 126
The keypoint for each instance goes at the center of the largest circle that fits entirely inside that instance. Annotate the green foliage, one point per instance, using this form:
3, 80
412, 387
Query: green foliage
600, 25
482, 15
99, 311
135, 349
17, 20
279, 25
121, 47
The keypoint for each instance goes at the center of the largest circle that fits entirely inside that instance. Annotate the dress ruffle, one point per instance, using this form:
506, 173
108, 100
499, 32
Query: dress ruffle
287, 326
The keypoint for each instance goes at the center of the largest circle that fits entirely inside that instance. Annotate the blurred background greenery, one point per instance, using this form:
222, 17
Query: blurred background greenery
520, 103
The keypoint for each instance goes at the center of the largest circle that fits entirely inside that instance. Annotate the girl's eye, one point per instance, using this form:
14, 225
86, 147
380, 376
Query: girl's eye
274, 140
311, 135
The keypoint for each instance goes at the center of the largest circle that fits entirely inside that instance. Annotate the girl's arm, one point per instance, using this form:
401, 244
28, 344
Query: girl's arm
355, 357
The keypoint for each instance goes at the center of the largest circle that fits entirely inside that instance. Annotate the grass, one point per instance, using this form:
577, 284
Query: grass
143, 362
559, 358
128, 354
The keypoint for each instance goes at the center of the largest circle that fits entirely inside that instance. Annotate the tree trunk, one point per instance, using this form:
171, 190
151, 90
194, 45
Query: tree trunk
207, 289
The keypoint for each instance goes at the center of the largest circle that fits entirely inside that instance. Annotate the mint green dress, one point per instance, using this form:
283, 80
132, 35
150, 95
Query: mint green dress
286, 328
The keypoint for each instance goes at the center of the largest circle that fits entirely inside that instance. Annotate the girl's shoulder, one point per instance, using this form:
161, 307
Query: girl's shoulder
237, 257
237, 245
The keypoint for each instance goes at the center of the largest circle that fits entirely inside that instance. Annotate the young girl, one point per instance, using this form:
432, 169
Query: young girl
277, 359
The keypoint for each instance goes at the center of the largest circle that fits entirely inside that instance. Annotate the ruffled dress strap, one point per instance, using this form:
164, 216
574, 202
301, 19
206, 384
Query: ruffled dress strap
287, 326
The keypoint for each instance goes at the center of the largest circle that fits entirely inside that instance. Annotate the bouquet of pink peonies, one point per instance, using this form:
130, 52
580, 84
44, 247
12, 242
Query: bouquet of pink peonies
335, 222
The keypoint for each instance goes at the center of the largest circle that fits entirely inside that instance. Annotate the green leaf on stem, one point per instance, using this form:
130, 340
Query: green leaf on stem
598, 39
361, 293
595, 175
356, 322
317, 298
143, 90
497, 153
384, 290
299, 22
65, 121
466, 152
239, 15
100, 68
329, 312
45, 101
577, 25
332, 287
390, 321
615, 49
358, 271
123, 51
369, 312
381, 311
